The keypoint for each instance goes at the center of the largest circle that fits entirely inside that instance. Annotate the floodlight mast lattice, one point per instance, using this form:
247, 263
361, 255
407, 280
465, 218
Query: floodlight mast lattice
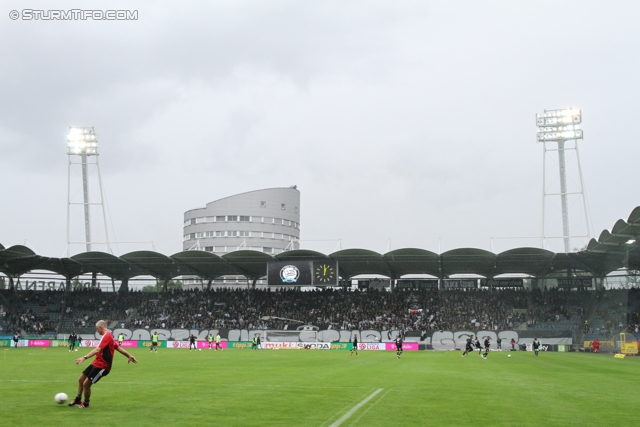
83, 142
560, 126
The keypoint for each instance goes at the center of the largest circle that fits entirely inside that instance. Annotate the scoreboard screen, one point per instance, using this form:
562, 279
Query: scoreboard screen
302, 273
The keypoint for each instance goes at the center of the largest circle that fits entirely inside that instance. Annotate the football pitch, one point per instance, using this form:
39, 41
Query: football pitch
324, 388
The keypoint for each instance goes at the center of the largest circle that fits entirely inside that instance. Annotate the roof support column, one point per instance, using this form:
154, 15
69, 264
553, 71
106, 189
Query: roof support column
124, 286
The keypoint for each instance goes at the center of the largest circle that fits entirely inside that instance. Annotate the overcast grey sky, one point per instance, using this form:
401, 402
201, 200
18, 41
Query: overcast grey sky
403, 123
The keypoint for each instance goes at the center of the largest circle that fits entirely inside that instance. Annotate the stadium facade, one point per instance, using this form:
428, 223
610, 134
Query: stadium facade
265, 220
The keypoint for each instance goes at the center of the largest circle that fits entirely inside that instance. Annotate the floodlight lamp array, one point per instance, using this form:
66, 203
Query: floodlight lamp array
559, 125
570, 116
82, 141
559, 135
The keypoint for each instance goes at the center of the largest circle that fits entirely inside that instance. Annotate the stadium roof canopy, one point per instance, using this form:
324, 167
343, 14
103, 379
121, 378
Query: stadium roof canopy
613, 250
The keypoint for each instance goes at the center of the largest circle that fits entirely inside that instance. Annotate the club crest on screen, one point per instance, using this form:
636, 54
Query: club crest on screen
289, 274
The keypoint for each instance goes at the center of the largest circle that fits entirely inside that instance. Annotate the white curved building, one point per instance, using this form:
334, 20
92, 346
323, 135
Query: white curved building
263, 220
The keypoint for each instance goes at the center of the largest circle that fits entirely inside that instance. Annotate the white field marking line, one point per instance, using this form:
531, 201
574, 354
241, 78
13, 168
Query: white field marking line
170, 384
355, 408
369, 407
342, 409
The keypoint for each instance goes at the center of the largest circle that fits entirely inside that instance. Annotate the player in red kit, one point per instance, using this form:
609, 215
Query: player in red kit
596, 345
100, 366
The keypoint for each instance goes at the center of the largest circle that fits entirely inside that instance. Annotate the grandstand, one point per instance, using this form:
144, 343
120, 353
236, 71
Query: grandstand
528, 291
550, 314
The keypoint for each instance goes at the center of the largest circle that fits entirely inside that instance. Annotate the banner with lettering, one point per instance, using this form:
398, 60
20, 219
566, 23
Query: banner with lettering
39, 343
406, 346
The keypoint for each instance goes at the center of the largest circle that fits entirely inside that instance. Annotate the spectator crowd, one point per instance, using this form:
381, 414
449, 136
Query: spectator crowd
233, 308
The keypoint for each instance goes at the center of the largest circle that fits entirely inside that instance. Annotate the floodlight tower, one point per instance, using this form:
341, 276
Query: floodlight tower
83, 142
561, 127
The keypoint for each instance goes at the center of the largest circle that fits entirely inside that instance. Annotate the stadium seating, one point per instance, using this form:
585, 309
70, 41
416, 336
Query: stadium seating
42, 312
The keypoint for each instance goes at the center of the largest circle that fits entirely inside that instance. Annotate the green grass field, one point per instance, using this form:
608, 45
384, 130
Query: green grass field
317, 388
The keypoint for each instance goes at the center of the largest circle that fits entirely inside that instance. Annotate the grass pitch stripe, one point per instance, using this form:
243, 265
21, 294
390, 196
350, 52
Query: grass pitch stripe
355, 408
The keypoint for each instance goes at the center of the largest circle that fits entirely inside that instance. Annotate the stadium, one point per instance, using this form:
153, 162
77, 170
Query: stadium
575, 304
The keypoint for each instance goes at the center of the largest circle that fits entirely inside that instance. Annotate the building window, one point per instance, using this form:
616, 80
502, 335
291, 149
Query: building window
232, 233
219, 233
245, 218
268, 220
277, 221
209, 234
263, 204
200, 235
244, 234
208, 248
220, 218
199, 220
267, 250
232, 217
295, 209
283, 206
277, 236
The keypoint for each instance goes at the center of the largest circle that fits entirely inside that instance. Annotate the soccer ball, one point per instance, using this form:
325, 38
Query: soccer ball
61, 398
508, 355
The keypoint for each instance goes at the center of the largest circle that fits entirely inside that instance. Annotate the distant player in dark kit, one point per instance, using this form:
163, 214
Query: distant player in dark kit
16, 337
499, 343
218, 342
536, 346
72, 341
513, 344
100, 366
259, 343
469, 346
254, 343
355, 345
398, 346
192, 342
477, 345
154, 342
487, 344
